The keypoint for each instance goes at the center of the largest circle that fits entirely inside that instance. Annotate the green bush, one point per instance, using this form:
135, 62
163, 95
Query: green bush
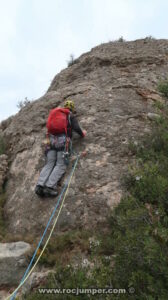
67, 278
65, 243
121, 39
159, 105
140, 240
163, 87
150, 185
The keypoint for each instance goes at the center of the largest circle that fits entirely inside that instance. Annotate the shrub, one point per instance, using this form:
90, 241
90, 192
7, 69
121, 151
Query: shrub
63, 244
150, 185
149, 38
121, 39
163, 87
23, 103
71, 61
159, 105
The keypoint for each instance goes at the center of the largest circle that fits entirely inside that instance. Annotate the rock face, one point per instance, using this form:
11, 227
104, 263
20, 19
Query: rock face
12, 262
114, 87
35, 279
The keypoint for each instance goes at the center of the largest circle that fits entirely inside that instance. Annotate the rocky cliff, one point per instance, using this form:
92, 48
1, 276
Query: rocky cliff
114, 87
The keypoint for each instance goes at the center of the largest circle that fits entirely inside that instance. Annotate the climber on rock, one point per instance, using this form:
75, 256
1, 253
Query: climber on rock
61, 122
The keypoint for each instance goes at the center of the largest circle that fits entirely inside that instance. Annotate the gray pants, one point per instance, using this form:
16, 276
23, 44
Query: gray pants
53, 170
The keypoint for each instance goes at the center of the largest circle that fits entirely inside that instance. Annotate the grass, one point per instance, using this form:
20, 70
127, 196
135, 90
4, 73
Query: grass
61, 247
158, 105
163, 87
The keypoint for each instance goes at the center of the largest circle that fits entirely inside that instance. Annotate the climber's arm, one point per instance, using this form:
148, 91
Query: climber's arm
76, 127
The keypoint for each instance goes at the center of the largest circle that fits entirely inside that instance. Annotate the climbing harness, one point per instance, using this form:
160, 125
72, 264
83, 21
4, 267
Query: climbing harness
67, 150
58, 143
29, 270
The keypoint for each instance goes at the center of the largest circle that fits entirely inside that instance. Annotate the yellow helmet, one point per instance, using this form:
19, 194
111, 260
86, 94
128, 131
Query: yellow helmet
70, 104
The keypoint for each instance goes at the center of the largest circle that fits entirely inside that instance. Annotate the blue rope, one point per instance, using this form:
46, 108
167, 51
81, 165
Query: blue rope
44, 233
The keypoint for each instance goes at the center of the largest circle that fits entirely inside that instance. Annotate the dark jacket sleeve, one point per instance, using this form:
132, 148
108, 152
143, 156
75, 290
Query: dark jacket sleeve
75, 125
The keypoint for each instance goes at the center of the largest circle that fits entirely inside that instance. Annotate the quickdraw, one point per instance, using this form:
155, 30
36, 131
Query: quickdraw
67, 150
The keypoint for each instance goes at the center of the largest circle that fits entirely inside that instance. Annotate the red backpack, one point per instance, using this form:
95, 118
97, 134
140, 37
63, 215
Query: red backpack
58, 121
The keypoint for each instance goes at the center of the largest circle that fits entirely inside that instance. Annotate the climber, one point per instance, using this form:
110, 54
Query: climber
61, 122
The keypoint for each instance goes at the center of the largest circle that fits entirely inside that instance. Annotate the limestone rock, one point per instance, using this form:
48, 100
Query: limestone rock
3, 169
150, 94
103, 84
153, 116
4, 294
35, 279
12, 262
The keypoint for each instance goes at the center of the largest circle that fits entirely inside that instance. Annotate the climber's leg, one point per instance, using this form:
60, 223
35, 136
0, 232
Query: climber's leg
57, 172
47, 169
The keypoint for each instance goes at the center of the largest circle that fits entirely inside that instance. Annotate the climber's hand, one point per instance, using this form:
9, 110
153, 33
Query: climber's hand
84, 133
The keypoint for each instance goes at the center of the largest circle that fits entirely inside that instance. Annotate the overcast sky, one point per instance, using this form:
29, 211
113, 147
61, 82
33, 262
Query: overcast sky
38, 36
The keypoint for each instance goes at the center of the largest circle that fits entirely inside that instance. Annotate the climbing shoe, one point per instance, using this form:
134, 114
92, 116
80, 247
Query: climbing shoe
39, 190
49, 192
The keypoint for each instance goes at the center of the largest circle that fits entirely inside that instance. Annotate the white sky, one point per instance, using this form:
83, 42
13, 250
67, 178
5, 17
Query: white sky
38, 36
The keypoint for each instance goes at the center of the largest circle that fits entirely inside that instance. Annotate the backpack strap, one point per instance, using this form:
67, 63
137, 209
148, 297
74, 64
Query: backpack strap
69, 118
67, 112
